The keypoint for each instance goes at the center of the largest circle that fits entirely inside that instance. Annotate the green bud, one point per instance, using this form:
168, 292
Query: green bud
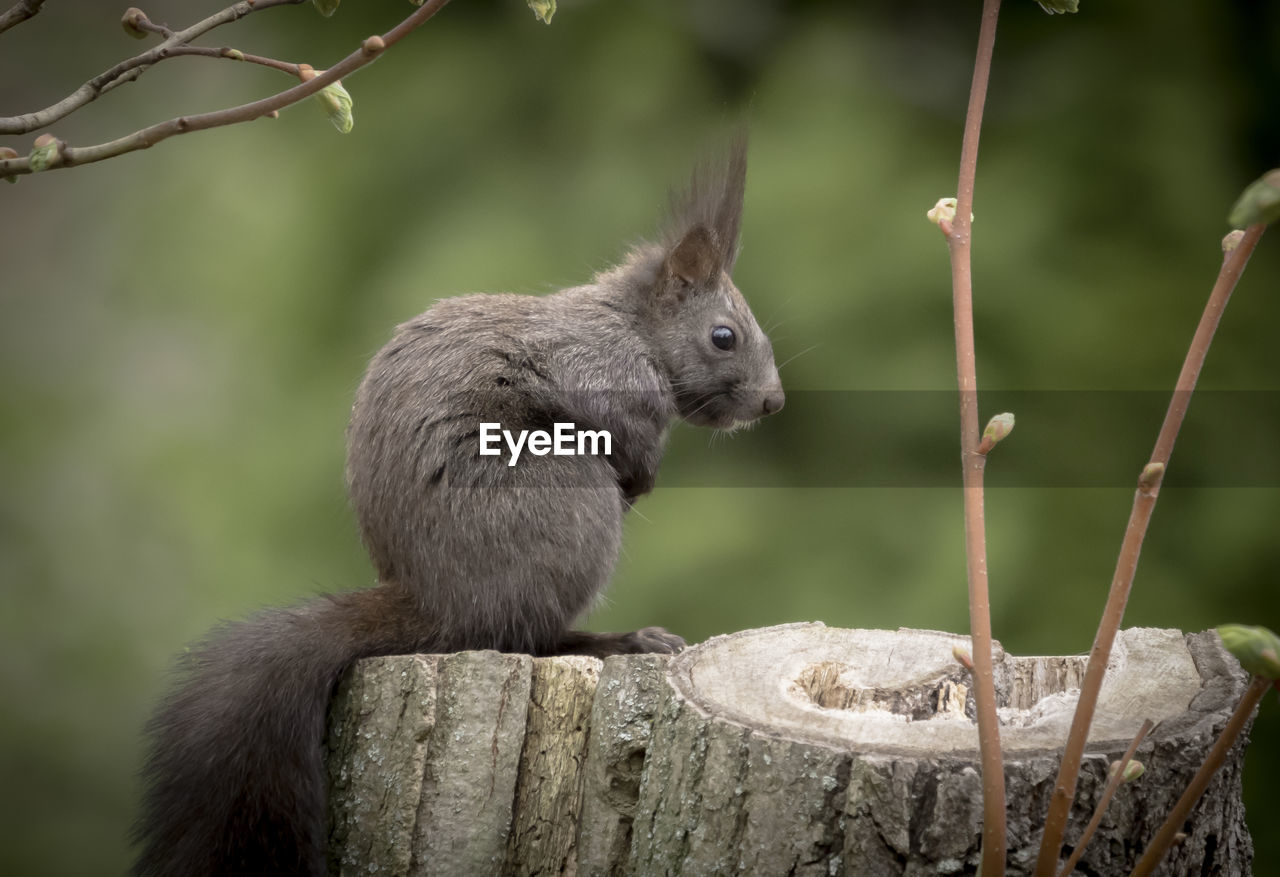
326, 7
1256, 648
1132, 770
543, 9
1152, 474
1231, 241
1260, 202
962, 657
944, 211
132, 20
998, 427
44, 152
337, 105
1052, 6
233, 54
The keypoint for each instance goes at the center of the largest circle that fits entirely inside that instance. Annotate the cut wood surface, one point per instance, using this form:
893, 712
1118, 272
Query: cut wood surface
797, 749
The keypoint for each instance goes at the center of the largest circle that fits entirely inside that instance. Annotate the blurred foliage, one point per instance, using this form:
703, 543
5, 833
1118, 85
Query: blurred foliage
181, 330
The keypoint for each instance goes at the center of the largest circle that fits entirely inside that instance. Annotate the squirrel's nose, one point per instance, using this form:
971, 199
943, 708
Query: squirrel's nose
774, 401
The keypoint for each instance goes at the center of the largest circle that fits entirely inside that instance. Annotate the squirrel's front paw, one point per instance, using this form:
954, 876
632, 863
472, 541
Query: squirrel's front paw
657, 640
650, 640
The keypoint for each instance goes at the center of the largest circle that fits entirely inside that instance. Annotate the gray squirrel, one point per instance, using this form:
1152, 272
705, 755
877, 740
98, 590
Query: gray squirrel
471, 552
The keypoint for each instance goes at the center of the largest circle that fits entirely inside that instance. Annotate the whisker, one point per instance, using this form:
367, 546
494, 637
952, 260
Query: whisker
793, 358
771, 322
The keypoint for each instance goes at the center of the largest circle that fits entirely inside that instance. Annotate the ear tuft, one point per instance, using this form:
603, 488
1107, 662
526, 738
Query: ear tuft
695, 259
708, 213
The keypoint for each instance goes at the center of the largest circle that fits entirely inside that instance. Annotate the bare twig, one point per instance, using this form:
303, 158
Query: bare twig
1108, 792
235, 55
973, 462
18, 13
371, 48
146, 24
1217, 755
131, 68
1144, 502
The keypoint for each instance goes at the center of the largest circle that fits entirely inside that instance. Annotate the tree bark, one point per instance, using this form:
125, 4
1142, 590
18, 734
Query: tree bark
797, 749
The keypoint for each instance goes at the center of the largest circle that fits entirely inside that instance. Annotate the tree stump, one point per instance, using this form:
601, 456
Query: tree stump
797, 749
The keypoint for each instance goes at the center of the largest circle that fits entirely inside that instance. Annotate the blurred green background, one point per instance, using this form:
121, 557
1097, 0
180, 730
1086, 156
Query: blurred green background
181, 330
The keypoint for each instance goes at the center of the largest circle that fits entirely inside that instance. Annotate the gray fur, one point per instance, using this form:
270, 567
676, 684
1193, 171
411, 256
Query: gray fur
470, 553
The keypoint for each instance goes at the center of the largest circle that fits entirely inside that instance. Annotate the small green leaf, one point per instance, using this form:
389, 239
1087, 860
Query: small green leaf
1256, 648
326, 7
337, 105
1260, 202
1053, 6
543, 9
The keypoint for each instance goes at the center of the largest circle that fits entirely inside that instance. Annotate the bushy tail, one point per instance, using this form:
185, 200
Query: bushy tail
235, 776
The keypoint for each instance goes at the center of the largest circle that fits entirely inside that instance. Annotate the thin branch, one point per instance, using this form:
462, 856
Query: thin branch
958, 238
18, 13
146, 24
1108, 792
1217, 755
370, 49
235, 55
131, 68
1144, 503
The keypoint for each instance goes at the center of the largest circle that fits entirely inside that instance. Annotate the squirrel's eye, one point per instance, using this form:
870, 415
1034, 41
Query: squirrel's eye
723, 337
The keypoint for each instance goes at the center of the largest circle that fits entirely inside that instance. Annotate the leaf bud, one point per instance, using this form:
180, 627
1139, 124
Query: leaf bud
943, 214
132, 22
543, 9
943, 211
45, 152
326, 7
1260, 202
1256, 648
998, 427
1055, 6
1132, 770
337, 106
1152, 475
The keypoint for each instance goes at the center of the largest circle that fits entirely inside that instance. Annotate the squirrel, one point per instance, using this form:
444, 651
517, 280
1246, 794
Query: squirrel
471, 551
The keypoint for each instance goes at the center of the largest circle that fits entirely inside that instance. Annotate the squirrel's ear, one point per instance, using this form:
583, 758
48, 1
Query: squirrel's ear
695, 258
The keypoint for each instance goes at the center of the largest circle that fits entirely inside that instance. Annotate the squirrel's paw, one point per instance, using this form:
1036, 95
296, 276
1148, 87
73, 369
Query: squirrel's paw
657, 640
650, 640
